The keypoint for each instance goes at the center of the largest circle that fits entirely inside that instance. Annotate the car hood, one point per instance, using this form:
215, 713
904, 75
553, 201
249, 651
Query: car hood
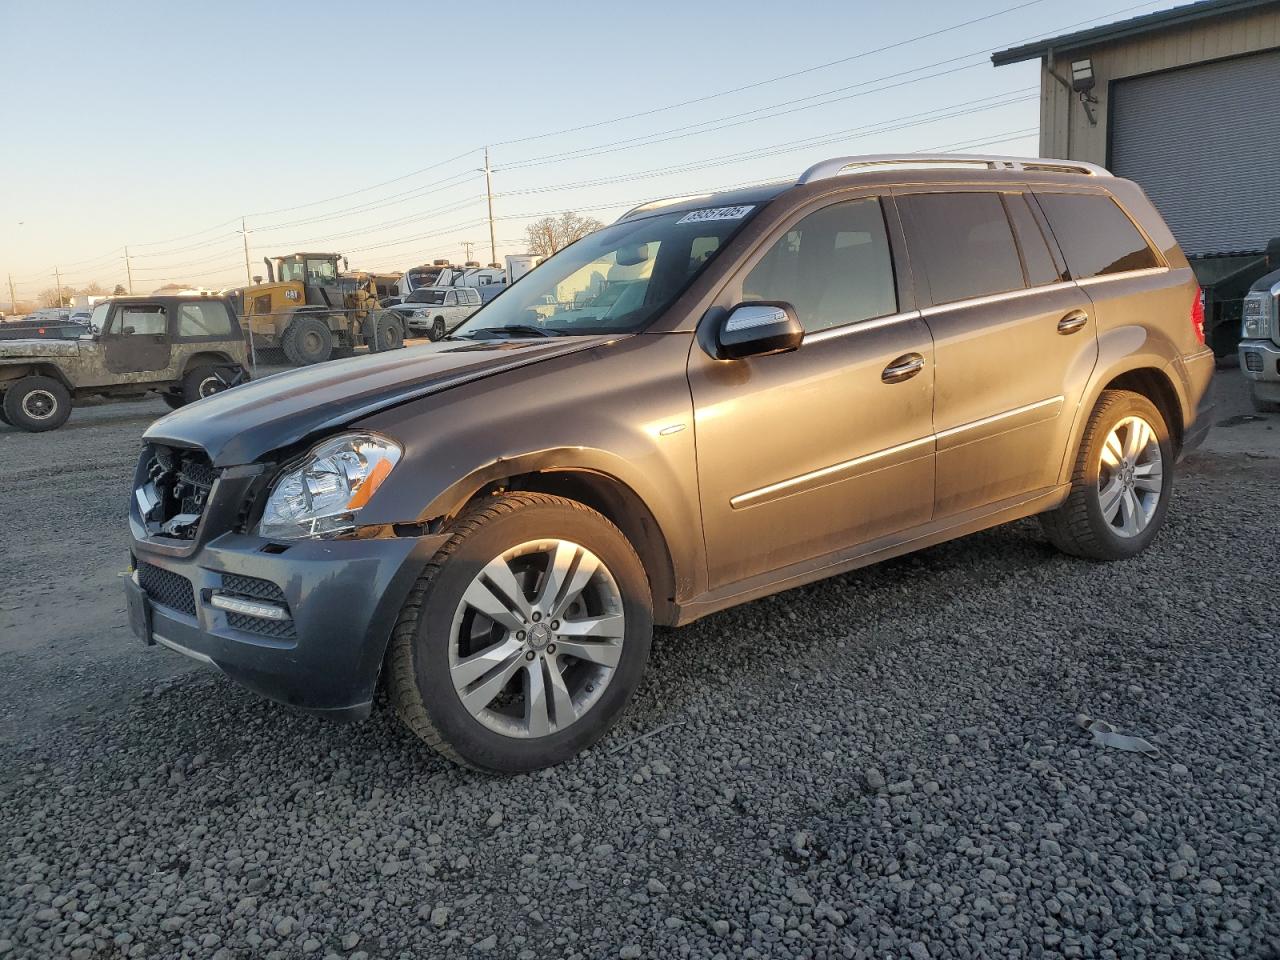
247, 422
38, 347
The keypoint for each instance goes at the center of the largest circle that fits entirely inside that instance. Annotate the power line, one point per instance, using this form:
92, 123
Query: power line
761, 83
352, 193
942, 113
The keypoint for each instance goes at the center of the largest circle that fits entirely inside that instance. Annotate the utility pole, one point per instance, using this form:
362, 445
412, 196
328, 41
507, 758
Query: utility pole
128, 269
57, 277
13, 299
466, 250
488, 187
248, 277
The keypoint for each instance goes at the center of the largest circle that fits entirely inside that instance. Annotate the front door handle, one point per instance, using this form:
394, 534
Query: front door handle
1073, 321
904, 368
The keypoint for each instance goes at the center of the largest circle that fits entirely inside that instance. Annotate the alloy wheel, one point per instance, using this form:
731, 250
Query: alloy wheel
1130, 476
536, 638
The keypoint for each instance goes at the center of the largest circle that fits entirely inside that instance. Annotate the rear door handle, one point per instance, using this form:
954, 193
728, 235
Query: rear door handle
1073, 321
904, 368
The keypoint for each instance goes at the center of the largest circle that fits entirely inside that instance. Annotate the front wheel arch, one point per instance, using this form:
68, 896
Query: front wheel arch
609, 496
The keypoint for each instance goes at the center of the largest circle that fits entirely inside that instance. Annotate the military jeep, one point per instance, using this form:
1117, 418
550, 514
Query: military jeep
181, 347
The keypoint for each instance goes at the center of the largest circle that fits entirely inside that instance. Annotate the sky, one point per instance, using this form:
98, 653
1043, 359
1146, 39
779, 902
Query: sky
360, 128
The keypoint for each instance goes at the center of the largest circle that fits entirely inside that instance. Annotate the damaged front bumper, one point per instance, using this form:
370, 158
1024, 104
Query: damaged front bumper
304, 623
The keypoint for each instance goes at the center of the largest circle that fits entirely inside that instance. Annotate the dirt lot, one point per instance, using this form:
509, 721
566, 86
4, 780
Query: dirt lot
884, 764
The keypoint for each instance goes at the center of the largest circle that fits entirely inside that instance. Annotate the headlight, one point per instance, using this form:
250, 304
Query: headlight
322, 495
1257, 317
419, 314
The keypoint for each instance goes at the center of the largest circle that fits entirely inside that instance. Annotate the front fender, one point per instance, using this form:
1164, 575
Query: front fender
621, 410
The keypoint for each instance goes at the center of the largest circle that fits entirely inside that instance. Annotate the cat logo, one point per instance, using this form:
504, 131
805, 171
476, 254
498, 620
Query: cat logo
292, 295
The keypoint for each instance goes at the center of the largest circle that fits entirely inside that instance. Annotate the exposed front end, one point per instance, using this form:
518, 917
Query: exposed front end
302, 621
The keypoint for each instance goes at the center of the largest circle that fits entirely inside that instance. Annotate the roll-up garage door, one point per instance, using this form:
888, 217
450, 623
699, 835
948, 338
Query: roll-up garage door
1204, 142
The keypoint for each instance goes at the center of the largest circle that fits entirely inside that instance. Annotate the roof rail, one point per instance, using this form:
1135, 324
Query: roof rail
870, 163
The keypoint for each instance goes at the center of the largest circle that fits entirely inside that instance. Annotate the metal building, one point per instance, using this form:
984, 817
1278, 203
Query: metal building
1185, 101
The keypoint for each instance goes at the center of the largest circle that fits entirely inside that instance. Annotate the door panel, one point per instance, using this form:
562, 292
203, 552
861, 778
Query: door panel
1007, 382
136, 339
1014, 344
803, 453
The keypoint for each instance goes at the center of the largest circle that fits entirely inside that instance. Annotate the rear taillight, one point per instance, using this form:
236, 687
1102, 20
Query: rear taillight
1197, 314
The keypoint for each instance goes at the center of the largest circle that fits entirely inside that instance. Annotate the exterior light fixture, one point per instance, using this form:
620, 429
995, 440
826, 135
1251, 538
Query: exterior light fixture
1082, 75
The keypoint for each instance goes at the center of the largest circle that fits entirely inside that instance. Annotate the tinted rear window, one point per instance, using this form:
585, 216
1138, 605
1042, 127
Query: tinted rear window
1096, 236
1036, 257
966, 244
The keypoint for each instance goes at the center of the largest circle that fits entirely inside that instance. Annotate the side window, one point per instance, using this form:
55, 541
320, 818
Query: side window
834, 267
1036, 258
1095, 235
321, 271
451, 298
141, 321
965, 244
203, 320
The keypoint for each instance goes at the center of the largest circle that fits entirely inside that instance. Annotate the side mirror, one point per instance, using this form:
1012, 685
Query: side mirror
759, 329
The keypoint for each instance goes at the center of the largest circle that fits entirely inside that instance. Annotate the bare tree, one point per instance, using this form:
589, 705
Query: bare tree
94, 289
50, 298
550, 234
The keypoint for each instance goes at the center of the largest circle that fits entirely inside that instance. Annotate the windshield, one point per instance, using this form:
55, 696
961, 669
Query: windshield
616, 280
292, 271
99, 315
426, 296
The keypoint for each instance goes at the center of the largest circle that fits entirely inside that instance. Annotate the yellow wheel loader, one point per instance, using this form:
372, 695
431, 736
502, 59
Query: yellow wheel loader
307, 310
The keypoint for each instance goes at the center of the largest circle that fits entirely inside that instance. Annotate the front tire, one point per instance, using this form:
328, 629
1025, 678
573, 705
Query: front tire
37, 404
437, 329
1121, 483
307, 340
524, 638
387, 333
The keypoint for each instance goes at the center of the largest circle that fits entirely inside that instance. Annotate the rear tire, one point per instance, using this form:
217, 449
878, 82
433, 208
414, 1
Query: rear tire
520, 715
37, 404
1121, 483
203, 381
307, 340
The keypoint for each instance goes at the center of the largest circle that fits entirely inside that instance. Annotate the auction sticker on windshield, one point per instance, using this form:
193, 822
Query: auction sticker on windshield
717, 213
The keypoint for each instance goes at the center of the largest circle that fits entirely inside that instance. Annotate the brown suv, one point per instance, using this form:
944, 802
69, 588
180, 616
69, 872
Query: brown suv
714, 399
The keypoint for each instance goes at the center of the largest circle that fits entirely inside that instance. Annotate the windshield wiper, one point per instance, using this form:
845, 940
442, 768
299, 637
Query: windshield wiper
515, 330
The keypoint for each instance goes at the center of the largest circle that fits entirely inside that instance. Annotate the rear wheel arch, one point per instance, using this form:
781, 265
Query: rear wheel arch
1155, 385
1145, 375
207, 358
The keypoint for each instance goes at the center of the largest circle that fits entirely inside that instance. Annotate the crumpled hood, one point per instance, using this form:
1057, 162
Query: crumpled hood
38, 347
246, 422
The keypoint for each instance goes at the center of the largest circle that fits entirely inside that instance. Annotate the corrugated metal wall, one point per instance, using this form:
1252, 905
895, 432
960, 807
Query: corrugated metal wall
1065, 131
1204, 142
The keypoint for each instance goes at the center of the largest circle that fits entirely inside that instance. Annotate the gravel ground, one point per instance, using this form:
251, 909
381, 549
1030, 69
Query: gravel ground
886, 764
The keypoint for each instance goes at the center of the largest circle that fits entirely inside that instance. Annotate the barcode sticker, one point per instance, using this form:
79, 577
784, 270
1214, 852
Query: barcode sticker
716, 213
